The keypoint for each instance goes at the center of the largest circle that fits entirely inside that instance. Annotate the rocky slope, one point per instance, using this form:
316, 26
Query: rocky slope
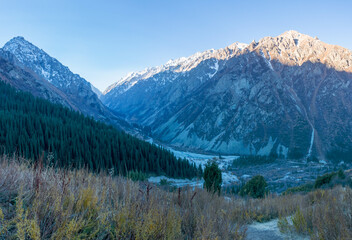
15, 74
78, 90
288, 95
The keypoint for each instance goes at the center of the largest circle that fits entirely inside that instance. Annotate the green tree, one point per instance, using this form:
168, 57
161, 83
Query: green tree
212, 177
255, 187
29, 126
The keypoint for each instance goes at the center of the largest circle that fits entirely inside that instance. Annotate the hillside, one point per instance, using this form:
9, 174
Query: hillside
23, 79
29, 68
287, 95
29, 126
46, 203
78, 90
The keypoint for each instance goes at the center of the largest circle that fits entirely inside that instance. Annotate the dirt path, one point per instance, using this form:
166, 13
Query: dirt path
264, 231
268, 231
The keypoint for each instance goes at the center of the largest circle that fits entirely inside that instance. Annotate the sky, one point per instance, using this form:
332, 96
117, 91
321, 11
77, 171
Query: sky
104, 40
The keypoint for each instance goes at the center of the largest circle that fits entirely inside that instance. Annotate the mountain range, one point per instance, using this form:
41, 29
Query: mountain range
287, 95
29, 68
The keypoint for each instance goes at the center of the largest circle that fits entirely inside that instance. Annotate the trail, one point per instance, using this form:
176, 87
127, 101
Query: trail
269, 231
264, 231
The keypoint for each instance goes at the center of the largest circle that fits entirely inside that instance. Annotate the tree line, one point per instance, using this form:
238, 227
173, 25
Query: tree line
30, 126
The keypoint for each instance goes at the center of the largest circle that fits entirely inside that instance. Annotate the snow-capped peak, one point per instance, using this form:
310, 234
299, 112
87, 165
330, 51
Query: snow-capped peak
292, 33
22, 49
297, 36
179, 66
43, 64
238, 45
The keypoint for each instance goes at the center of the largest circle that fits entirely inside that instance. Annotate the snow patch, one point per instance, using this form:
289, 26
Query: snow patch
177, 182
282, 150
311, 144
177, 67
46, 75
266, 60
267, 149
215, 67
201, 160
322, 162
238, 45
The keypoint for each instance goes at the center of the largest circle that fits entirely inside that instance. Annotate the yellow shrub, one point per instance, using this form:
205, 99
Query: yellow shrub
68, 202
67, 230
173, 225
204, 228
299, 222
284, 225
3, 223
20, 219
150, 227
125, 222
33, 229
87, 200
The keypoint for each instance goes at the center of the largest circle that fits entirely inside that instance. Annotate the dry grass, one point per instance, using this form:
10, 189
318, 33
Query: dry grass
47, 203
326, 214
44, 203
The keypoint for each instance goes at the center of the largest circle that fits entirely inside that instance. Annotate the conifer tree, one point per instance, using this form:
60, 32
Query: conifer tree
29, 126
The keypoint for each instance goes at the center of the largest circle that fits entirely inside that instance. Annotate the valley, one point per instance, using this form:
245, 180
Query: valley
233, 98
248, 141
280, 174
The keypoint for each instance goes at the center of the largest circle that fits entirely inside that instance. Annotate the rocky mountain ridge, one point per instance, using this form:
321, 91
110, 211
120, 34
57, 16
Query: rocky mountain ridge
177, 67
14, 73
28, 68
77, 89
285, 95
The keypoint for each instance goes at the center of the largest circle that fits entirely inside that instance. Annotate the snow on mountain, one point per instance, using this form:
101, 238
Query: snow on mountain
79, 91
262, 98
12, 72
43, 64
176, 67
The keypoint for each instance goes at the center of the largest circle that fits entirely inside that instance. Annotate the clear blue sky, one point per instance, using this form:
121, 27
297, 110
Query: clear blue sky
104, 40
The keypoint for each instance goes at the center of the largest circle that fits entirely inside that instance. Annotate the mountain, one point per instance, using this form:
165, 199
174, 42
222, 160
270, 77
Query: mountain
82, 95
14, 73
287, 95
96, 91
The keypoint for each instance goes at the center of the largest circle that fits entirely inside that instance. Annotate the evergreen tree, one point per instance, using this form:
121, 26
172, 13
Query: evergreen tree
212, 177
255, 187
29, 126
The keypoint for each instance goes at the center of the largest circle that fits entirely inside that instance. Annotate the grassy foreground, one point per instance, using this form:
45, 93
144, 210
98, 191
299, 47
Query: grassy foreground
47, 203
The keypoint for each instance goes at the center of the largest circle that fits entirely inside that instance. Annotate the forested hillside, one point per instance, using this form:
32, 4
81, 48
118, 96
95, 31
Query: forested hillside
29, 126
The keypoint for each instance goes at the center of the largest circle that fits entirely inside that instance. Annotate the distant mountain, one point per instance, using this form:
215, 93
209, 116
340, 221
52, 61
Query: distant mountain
287, 95
14, 73
28, 68
96, 91
77, 89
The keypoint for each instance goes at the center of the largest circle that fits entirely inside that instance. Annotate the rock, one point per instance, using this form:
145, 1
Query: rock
270, 95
